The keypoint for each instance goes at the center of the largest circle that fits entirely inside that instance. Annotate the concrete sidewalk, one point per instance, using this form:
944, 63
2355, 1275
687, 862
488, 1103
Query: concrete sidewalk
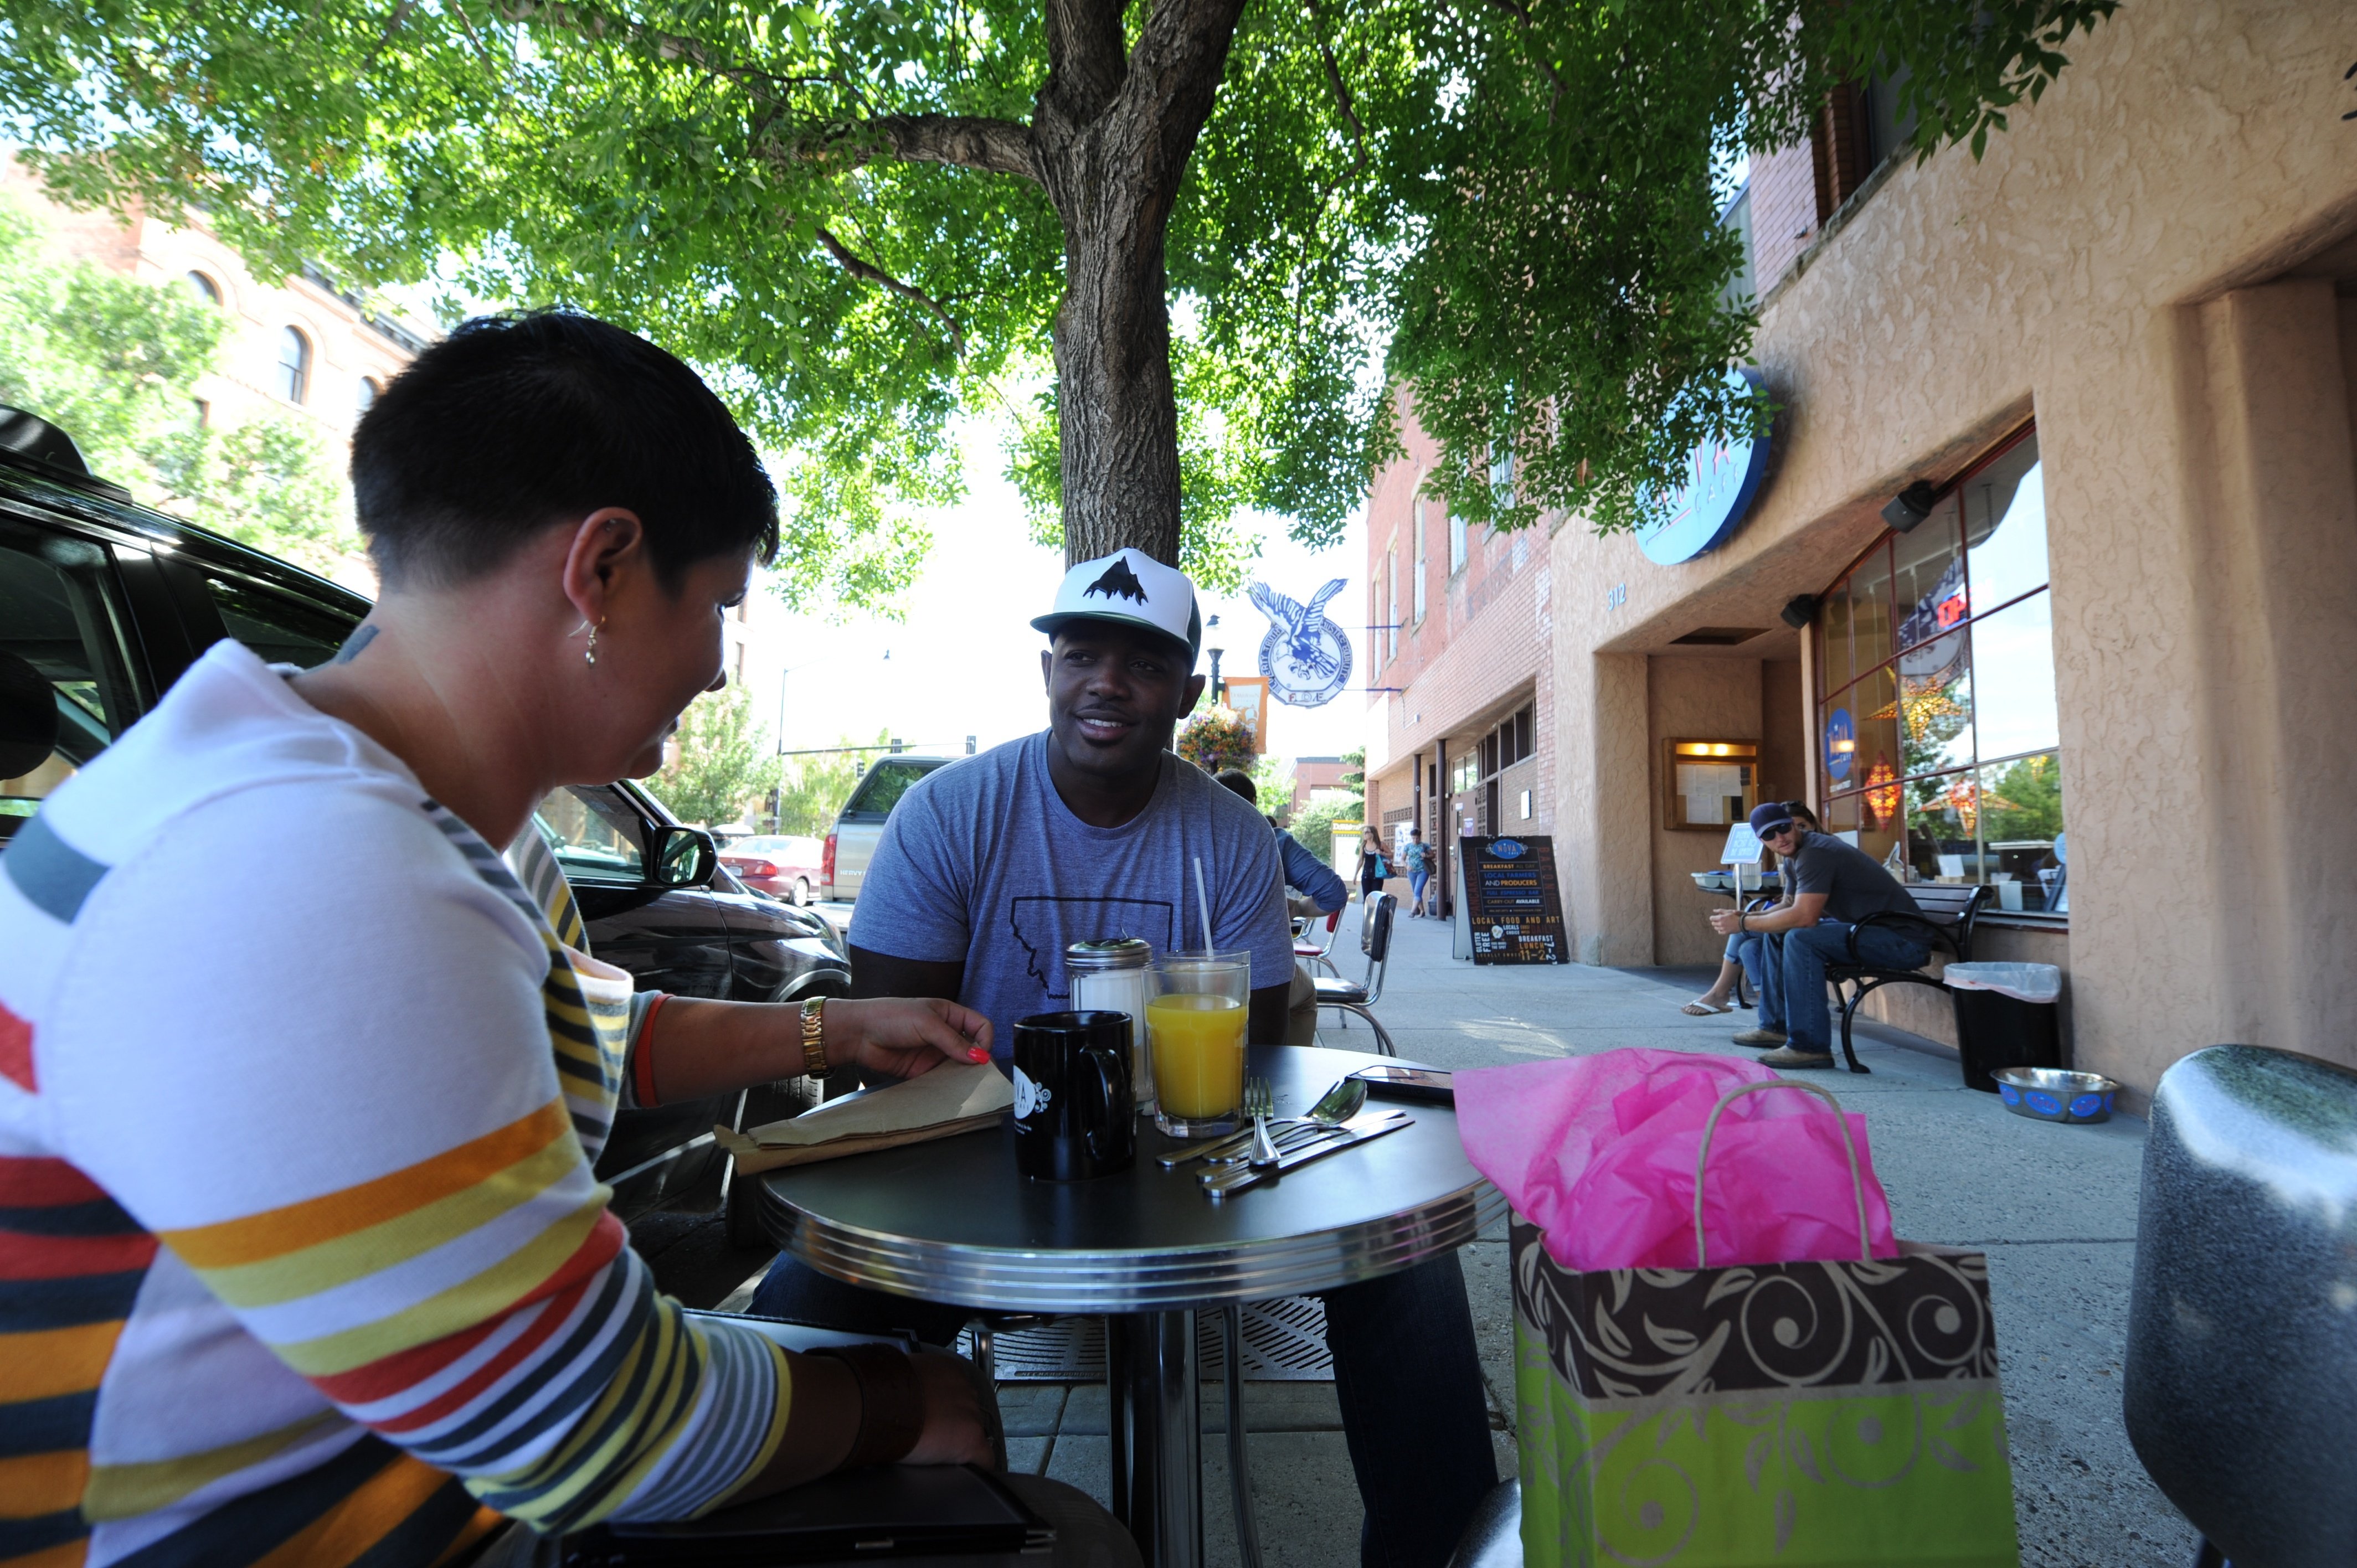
2053, 1207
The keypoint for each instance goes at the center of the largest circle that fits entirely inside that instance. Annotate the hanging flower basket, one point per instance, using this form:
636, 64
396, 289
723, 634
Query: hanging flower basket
1218, 738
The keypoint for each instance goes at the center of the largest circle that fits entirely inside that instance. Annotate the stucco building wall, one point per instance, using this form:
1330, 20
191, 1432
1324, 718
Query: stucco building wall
2157, 263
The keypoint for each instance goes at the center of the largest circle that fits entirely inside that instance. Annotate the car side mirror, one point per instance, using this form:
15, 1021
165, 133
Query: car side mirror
685, 857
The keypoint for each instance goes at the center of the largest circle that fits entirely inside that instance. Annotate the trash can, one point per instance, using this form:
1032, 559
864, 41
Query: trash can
2006, 1016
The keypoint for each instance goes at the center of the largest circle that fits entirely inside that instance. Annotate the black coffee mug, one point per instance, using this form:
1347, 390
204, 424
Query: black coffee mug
1075, 1116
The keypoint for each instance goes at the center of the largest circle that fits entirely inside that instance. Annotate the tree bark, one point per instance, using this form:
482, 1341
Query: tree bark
1111, 137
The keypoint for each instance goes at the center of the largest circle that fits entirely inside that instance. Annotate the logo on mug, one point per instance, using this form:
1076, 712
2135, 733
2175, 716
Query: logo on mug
1028, 1096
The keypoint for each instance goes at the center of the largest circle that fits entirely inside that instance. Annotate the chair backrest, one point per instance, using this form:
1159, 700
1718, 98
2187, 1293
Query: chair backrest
1375, 941
2240, 1329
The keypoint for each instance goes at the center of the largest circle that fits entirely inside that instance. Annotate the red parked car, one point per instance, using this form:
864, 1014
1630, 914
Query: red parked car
786, 869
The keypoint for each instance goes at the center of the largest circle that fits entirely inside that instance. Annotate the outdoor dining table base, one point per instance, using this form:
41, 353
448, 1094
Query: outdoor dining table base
953, 1222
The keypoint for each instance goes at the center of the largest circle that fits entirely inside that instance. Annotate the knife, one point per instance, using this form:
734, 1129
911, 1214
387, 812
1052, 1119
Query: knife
1358, 1130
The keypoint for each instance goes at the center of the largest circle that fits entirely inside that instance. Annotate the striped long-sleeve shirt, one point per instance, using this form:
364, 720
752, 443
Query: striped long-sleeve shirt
301, 1258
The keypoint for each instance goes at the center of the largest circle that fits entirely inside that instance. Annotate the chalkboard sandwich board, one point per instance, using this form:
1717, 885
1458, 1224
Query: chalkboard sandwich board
1512, 910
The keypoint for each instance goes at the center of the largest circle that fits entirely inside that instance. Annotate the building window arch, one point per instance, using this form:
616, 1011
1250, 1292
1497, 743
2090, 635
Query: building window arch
364, 396
294, 368
203, 288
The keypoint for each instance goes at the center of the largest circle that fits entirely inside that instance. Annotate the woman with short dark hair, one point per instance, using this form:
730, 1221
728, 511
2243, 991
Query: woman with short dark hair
306, 1086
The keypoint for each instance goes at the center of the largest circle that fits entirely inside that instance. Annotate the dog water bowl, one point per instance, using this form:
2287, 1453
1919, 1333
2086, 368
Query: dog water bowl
2052, 1094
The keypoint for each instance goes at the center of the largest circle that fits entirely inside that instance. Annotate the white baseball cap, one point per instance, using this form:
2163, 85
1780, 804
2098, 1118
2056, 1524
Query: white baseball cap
1132, 587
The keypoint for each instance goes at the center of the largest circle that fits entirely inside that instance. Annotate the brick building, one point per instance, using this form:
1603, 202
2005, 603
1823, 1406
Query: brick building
1460, 737
301, 348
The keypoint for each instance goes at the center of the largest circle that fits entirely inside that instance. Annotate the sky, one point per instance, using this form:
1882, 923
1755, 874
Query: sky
965, 660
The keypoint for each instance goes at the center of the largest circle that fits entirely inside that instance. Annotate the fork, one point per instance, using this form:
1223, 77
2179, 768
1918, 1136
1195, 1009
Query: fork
1260, 1103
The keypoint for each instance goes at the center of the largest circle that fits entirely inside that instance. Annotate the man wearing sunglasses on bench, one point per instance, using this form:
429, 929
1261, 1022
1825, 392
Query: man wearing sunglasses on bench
1834, 884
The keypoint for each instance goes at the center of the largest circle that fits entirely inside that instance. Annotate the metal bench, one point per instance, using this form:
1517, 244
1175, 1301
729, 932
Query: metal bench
1945, 925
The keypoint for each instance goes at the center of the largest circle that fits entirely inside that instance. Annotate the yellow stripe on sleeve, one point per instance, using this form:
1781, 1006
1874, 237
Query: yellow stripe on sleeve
463, 1305
277, 1231
293, 1275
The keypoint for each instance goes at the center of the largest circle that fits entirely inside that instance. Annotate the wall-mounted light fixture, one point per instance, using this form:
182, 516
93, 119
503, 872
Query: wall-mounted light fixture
1800, 610
1911, 505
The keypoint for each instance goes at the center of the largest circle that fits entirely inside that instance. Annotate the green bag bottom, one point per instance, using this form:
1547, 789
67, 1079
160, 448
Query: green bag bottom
1917, 1474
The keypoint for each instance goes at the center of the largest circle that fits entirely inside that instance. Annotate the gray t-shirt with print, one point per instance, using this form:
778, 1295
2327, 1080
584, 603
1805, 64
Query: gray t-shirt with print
982, 862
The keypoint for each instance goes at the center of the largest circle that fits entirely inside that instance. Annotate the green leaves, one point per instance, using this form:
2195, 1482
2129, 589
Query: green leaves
1506, 206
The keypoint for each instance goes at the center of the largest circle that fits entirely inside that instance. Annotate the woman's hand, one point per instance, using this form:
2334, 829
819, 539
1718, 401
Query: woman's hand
903, 1036
961, 1412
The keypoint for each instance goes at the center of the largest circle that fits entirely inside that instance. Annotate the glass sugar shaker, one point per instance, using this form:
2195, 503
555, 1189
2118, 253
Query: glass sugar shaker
1109, 976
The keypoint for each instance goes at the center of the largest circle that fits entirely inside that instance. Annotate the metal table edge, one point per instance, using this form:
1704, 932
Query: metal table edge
1042, 1280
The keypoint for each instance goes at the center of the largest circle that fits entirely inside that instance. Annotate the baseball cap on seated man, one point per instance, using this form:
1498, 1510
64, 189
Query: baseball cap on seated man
1770, 817
1131, 587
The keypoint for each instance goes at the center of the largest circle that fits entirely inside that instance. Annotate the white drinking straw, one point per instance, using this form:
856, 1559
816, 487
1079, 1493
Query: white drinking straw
1203, 906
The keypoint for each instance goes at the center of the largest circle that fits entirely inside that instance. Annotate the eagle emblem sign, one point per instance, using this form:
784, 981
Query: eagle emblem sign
1305, 657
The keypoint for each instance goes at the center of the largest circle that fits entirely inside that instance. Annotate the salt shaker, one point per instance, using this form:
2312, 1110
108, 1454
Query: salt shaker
1109, 976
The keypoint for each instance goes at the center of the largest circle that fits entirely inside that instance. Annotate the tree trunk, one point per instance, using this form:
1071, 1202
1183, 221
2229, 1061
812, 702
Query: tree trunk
1112, 136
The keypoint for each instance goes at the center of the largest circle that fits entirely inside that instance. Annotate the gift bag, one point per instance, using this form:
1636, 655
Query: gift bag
1815, 1413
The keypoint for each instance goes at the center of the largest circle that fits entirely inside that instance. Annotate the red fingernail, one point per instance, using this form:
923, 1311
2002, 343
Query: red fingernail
977, 1055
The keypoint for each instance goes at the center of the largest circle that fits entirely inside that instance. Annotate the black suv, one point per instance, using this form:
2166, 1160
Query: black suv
104, 604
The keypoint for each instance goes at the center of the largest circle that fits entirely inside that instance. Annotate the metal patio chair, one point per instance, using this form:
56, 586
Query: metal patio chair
1349, 996
1320, 955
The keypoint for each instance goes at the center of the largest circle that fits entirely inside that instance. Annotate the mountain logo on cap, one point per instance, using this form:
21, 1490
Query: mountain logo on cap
1117, 582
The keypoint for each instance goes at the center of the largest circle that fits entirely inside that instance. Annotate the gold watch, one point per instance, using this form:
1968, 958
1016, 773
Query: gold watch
815, 1037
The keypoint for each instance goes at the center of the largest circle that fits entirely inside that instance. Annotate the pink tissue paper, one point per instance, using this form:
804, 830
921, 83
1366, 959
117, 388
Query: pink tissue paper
1598, 1151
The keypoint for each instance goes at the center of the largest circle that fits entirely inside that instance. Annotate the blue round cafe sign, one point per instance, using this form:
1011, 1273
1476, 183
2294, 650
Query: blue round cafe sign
1723, 479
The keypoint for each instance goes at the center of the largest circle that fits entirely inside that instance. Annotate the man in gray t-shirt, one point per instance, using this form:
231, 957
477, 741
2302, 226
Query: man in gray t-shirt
1835, 886
983, 865
989, 866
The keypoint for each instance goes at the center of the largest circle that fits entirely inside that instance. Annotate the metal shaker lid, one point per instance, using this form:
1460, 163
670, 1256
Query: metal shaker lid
1109, 953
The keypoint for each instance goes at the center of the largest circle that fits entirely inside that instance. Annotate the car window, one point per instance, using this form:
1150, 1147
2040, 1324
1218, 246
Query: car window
64, 680
885, 784
594, 835
280, 630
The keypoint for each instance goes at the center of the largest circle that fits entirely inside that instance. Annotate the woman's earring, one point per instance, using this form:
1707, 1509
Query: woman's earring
590, 655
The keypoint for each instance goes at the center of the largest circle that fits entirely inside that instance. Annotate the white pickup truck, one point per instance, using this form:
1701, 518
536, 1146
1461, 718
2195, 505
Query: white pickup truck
860, 824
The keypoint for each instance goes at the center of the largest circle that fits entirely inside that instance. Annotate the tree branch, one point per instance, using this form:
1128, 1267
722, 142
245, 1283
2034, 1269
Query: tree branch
1085, 67
1342, 101
961, 141
1174, 72
868, 272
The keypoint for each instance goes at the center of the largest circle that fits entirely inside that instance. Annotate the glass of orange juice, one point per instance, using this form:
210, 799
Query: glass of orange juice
1195, 1026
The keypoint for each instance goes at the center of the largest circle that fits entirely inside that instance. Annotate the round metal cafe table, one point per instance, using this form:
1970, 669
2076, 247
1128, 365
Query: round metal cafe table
953, 1222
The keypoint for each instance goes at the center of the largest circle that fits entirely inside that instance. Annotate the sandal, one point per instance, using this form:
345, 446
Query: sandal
1700, 1009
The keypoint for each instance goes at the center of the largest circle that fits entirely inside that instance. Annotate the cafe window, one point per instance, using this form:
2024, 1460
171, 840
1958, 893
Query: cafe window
1935, 708
1391, 591
294, 368
1417, 588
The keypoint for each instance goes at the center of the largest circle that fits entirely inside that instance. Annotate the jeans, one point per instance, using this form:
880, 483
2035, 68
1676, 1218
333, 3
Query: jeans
1744, 948
1417, 882
1405, 1375
1792, 979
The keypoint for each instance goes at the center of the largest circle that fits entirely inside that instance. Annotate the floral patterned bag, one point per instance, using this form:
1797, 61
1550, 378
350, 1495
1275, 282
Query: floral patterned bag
1817, 1413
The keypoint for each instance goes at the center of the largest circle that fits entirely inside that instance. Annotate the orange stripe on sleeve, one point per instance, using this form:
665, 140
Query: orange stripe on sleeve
277, 1231
361, 1519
